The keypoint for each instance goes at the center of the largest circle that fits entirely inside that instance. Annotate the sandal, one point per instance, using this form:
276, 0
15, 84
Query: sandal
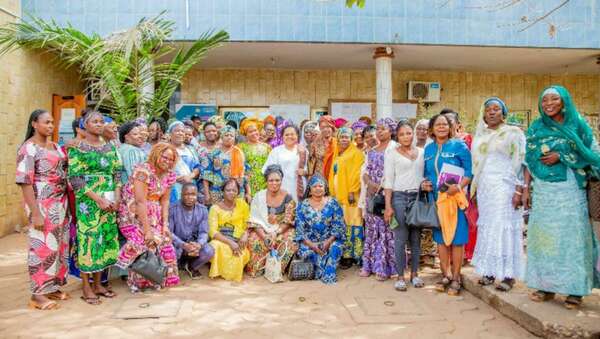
58, 296
91, 301
572, 302
380, 277
540, 296
107, 294
364, 274
46, 306
441, 285
400, 285
486, 280
506, 285
454, 288
417, 282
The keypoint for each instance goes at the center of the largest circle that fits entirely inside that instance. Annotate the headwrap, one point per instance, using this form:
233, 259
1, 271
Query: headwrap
250, 122
228, 129
339, 122
345, 131
365, 119
84, 119
358, 125
316, 179
419, 123
497, 101
217, 120
174, 124
388, 123
572, 140
328, 120
310, 126
506, 139
273, 169
270, 120
107, 119
141, 121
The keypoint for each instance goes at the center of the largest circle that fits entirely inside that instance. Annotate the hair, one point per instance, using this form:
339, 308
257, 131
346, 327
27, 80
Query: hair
369, 129
450, 111
75, 126
33, 117
307, 191
402, 123
195, 118
209, 123
189, 123
229, 181
296, 129
162, 124
125, 129
187, 185
273, 169
157, 150
432, 123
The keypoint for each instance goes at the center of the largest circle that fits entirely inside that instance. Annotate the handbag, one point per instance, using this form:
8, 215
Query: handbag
376, 205
423, 213
593, 195
273, 267
150, 266
301, 269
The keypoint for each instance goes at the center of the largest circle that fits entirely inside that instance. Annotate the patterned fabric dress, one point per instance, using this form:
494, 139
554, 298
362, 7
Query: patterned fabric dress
378, 251
284, 243
133, 230
318, 226
97, 169
217, 171
256, 156
46, 171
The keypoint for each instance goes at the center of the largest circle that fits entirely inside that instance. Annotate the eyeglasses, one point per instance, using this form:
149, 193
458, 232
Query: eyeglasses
167, 158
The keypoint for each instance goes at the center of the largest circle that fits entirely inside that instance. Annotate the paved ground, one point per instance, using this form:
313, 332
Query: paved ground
353, 308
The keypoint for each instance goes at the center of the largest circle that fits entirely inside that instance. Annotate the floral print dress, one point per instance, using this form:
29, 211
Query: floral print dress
217, 171
134, 231
256, 156
97, 169
46, 171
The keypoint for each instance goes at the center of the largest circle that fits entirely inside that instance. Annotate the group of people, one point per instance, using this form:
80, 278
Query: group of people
232, 194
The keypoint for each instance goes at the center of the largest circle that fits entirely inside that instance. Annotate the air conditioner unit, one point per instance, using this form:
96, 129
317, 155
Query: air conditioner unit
425, 91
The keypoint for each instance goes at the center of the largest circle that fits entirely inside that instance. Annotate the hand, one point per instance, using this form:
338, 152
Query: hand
243, 240
526, 199
207, 200
104, 204
37, 220
426, 186
188, 248
388, 214
300, 172
453, 189
326, 245
248, 198
272, 219
115, 205
516, 201
235, 248
149, 239
351, 198
550, 159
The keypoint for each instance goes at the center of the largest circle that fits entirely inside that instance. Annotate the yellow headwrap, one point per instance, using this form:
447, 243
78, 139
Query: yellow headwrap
250, 122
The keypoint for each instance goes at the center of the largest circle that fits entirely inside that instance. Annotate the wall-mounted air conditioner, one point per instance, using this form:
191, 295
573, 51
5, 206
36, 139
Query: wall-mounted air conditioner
425, 91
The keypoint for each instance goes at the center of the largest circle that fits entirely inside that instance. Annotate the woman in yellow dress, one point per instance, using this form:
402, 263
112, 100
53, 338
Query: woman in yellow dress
227, 223
344, 183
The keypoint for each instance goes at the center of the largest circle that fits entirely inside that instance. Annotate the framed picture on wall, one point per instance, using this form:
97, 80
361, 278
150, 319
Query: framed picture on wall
521, 118
316, 113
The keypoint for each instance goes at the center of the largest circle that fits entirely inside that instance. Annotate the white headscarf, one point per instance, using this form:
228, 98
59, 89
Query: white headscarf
419, 123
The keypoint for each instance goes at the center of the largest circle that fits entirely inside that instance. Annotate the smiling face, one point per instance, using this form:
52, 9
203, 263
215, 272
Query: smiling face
441, 127
317, 190
166, 161
326, 130
144, 132
290, 137
344, 141
358, 139
178, 135
44, 125
252, 133
211, 133
552, 105
421, 132
228, 139
134, 137
493, 115
370, 138
310, 135
405, 136
269, 131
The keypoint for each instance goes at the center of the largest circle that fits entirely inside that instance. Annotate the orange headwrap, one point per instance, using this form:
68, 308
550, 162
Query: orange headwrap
327, 119
270, 120
250, 122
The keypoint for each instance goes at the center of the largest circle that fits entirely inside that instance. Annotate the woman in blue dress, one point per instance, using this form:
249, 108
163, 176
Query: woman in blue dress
562, 249
188, 165
320, 230
446, 150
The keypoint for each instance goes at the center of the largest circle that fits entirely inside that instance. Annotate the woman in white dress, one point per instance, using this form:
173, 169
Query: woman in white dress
292, 159
498, 157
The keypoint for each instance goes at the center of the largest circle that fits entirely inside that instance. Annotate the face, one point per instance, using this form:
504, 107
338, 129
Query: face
178, 135
252, 133
344, 141
405, 136
274, 182
210, 133
290, 137
269, 131
441, 127
228, 139
310, 135
44, 125
493, 115
317, 190
95, 125
189, 135
110, 131
166, 161
197, 123
371, 139
134, 137
230, 192
144, 132
154, 131
421, 132
358, 137
326, 130
383, 133
189, 196
552, 105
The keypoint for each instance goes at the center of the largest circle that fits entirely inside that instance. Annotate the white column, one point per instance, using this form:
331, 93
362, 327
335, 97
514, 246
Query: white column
383, 67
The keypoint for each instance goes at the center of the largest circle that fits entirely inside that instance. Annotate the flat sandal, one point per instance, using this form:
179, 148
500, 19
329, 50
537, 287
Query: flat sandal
541, 296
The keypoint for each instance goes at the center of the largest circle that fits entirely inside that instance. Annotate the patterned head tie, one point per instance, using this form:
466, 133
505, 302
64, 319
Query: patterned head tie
388, 123
316, 180
228, 130
358, 125
174, 125
345, 131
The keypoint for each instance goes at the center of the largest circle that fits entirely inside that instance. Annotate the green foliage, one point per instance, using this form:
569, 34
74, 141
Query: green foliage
124, 68
358, 3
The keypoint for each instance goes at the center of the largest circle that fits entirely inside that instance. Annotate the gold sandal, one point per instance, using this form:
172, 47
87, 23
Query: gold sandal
541, 296
46, 306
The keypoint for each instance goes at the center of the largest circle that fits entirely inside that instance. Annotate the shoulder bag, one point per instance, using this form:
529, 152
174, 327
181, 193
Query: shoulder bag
150, 266
423, 213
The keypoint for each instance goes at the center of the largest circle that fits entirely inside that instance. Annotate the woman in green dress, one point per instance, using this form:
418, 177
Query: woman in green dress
94, 173
256, 153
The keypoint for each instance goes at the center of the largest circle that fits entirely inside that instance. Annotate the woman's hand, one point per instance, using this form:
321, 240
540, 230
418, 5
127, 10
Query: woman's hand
235, 248
104, 204
526, 198
37, 220
243, 240
149, 239
516, 200
388, 214
300, 172
453, 189
326, 245
248, 198
550, 159
426, 186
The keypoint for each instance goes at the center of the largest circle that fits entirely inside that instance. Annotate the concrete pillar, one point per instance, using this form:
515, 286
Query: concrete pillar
383, 67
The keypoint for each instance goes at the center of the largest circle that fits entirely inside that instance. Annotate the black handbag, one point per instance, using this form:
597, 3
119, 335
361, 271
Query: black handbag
376, 205
423, 213
301, 269
150, 266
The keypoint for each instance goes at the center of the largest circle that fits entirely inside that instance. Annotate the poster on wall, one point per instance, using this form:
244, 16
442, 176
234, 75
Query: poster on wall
65, 128
186, 111
351, 111
404, 111
295, 113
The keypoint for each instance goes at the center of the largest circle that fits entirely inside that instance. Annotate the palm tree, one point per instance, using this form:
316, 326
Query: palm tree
124, 67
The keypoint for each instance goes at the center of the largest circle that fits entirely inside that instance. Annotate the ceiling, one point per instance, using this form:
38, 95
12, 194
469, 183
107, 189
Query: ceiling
407, 57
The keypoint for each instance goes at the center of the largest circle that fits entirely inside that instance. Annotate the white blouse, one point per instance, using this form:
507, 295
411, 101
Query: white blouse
288, 160
400, 173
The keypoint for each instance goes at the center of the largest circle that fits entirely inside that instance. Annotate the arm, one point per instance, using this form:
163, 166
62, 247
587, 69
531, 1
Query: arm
213, 230
203, 230
176, 240
140, 189
25, 177
388, 182
37, 219
164, 206
526, 197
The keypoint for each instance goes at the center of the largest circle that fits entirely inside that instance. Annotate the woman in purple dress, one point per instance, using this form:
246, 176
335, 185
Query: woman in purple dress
378, 253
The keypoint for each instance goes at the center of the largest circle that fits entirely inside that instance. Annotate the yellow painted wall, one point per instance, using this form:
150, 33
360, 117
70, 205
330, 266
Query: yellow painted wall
27, 82
464, 91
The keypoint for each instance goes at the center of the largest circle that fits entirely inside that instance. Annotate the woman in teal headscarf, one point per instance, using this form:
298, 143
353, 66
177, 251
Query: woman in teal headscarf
561, 155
